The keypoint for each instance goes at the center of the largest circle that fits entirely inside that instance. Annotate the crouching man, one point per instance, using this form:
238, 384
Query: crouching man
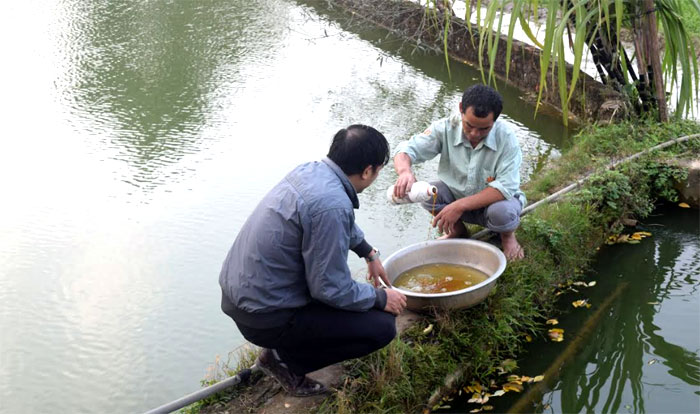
286, 282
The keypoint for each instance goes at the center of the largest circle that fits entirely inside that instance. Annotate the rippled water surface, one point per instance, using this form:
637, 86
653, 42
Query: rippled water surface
137, 136
637, 349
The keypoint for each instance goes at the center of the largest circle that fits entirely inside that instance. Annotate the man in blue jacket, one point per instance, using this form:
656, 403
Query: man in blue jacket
286, 282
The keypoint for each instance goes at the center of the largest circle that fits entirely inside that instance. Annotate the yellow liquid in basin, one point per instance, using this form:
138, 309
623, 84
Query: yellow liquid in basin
439, 278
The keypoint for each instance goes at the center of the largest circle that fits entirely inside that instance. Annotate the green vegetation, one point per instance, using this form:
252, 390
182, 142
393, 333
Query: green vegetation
691, 19
599, 26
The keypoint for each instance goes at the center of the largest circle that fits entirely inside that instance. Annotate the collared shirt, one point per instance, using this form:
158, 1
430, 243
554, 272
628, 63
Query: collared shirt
294, 247
495, 162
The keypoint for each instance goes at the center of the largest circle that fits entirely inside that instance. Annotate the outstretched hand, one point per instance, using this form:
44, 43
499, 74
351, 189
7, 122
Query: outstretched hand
375, 271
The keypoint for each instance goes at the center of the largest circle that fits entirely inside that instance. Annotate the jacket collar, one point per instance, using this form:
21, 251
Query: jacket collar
489, 141
349, 189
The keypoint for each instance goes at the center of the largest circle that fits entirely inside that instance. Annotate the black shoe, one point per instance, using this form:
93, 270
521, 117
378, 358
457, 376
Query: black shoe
296, 385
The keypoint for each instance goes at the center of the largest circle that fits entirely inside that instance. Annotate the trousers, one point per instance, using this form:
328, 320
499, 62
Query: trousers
318, 335
501, 216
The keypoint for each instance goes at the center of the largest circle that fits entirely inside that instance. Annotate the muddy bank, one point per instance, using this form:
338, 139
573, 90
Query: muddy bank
411, 21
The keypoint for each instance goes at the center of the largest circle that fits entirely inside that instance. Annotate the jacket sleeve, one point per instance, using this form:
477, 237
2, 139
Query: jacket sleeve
325, 251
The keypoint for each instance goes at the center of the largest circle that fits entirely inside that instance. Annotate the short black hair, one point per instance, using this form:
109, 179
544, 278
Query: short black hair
483, 99
358, 146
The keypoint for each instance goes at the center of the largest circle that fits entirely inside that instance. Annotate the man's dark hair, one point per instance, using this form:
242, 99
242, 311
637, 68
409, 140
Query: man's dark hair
483, 99
358, 146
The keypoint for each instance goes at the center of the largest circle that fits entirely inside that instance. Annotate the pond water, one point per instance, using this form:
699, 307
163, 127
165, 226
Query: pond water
637, 348
137, 138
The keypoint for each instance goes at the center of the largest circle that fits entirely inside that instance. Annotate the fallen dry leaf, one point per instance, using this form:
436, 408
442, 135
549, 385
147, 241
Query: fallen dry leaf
683, 205
513, 386
552, 322
428, 329
538, 378
556, 334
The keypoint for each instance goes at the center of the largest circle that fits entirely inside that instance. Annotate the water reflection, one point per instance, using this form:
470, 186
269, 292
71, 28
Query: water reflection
613, 373
643, 354
142, 76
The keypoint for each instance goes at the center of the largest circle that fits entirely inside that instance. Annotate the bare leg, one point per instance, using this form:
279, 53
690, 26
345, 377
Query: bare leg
511, 247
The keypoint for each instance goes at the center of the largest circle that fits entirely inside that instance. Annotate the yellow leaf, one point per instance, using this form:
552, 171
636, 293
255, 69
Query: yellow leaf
498, 393
556, 334
653, 361
552, 322
487, 407
513, 378
428, 329
579, 303
653, 303
591, 284
636, 236
538, 378
644, 233
525, 378
512, 386
683, 205
476, 410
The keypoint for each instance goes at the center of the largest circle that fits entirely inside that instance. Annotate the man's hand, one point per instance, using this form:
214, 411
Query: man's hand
402, 165
403, 184
395, 302
375, 270
446, 219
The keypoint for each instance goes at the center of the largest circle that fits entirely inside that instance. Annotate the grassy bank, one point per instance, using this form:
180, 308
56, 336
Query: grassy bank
560, 241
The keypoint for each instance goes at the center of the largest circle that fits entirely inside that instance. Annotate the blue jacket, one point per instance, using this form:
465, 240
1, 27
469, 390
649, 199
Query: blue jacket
294, 247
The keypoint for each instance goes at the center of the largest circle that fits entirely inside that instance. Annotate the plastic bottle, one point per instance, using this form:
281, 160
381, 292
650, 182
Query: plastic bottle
420, 191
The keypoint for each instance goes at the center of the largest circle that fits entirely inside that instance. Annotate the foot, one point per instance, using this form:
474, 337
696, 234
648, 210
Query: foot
295, 385
460, 232
511, 247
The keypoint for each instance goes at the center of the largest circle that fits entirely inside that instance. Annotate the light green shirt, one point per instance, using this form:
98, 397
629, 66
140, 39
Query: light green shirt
495, 162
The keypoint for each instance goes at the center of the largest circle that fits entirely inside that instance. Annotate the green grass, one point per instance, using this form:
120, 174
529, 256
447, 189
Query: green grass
691, 18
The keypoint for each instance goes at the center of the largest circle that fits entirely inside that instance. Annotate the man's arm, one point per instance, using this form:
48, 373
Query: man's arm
402, 165
421, 147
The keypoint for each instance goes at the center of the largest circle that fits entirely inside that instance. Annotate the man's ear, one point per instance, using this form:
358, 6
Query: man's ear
368, 172
460, 108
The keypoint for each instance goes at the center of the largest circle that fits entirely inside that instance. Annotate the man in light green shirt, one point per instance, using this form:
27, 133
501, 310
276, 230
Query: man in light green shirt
479, 169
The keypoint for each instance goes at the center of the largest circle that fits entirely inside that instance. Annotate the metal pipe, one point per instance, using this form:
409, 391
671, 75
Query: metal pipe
242, 376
